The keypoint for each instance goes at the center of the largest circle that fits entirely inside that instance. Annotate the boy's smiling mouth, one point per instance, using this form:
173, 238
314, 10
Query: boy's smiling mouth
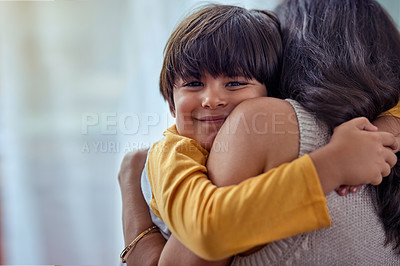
212, 119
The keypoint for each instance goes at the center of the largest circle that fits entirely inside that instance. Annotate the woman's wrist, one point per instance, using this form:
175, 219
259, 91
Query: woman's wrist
147, 251
129, 248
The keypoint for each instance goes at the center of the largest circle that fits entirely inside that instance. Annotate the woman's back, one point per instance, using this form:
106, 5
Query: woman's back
356, 236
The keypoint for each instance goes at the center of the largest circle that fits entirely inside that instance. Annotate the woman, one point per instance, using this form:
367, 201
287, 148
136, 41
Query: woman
341, 60
341, 57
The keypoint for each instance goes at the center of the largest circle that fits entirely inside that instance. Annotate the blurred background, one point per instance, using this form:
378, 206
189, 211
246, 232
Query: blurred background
79, 89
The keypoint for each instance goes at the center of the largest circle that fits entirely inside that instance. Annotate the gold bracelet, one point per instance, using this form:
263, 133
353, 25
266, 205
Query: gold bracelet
132, 245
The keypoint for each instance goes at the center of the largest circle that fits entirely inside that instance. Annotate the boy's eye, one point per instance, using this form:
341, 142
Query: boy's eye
234, 84
193, 84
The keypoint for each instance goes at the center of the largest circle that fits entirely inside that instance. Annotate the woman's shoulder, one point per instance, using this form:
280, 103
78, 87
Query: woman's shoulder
267, 104
268, 127
266, 115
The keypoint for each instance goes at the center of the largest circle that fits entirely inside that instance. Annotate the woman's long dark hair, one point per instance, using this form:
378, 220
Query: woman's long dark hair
341, 61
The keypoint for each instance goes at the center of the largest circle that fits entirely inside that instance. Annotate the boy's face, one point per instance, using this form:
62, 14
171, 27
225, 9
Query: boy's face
202, 105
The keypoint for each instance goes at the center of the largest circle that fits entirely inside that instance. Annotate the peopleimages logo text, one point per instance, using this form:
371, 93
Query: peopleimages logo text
112, 123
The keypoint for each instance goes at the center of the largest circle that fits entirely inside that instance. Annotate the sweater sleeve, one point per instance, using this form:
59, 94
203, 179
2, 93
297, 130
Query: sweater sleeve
219, 222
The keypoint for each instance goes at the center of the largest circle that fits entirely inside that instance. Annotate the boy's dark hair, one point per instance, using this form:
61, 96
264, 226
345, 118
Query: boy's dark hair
342, 60
223, 39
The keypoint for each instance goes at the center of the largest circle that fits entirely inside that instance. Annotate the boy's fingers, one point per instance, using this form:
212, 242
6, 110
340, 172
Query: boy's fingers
364, 124
398, 143
386, 170
390, 141
377, 180
390, 158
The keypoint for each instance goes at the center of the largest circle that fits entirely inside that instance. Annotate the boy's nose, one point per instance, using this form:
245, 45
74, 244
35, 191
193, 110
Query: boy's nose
214, 99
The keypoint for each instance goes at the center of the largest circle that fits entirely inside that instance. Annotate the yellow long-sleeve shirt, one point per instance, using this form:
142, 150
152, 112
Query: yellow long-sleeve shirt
219, 222
395, 111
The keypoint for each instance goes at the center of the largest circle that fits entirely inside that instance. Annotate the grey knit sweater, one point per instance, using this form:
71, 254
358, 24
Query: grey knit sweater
356, 236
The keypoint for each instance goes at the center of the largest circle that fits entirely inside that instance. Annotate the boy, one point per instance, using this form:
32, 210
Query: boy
214, 60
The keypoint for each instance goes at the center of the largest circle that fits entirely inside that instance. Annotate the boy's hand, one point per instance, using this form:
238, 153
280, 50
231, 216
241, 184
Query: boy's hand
365, 154
356, 154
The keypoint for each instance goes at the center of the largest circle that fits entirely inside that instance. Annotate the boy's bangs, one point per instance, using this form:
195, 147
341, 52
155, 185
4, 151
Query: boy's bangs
223, 52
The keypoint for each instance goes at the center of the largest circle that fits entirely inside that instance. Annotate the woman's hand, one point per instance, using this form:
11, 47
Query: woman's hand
344, 190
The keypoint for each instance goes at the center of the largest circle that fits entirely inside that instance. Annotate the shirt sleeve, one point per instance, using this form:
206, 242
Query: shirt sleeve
395, 111
219, 222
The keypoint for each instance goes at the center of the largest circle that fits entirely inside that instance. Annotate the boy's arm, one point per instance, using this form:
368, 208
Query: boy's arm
279, 143
218, 222
135, 212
